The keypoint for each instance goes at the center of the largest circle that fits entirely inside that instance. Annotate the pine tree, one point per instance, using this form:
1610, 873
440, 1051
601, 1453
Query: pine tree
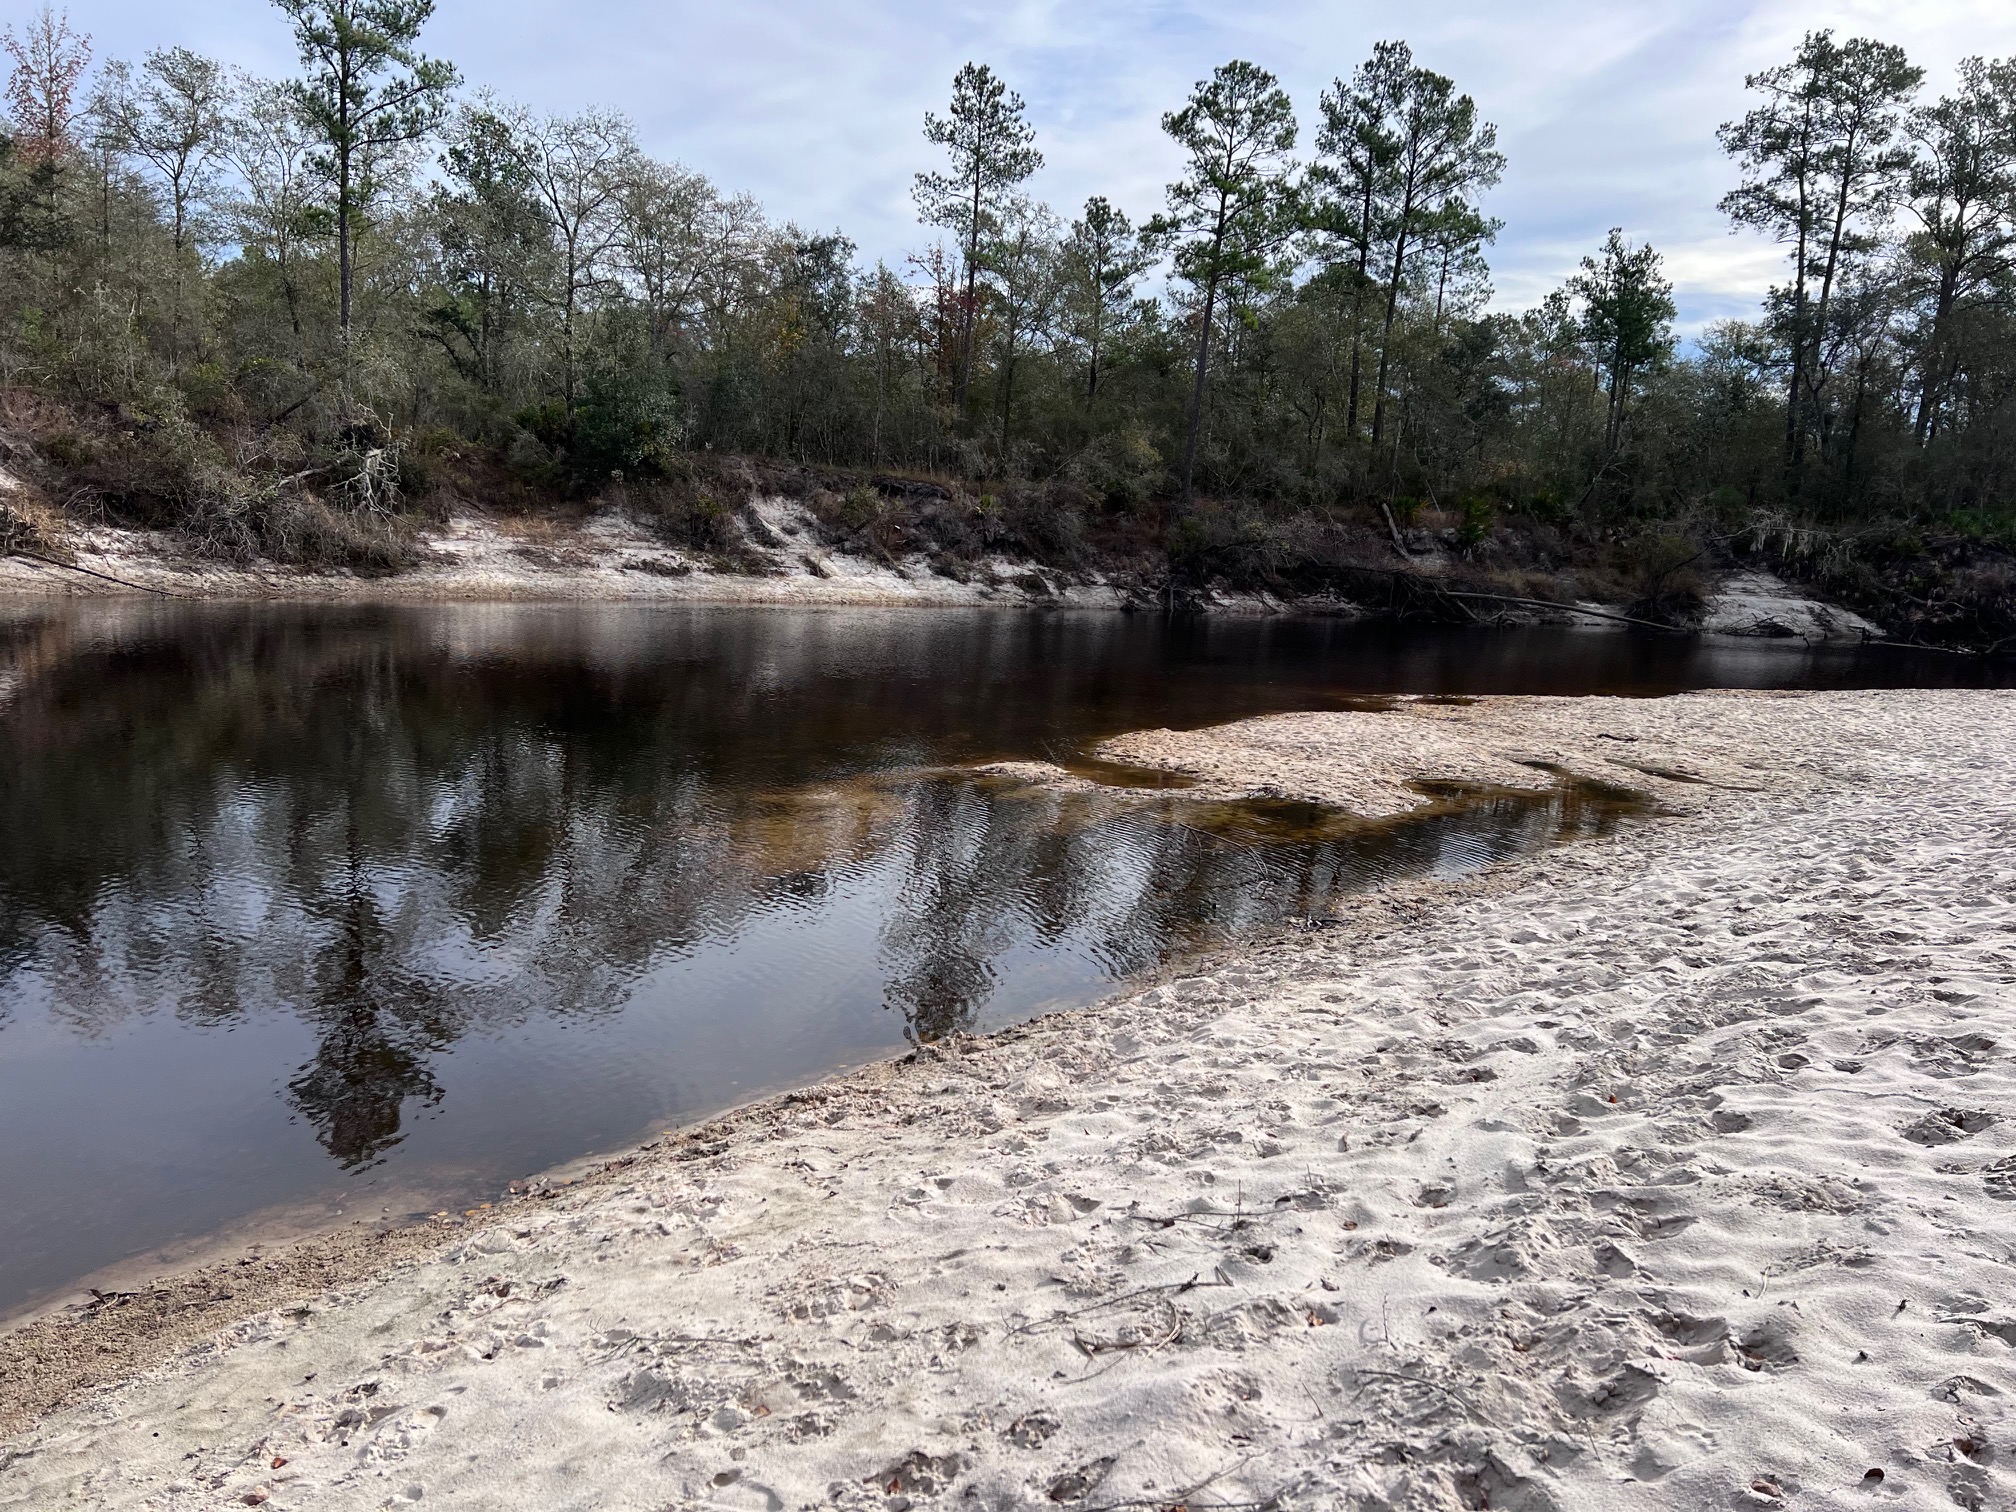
1962, 193
1627, 320
368, 93
1103, 259
1443, 156
993, 151
1823, 168
1235, 207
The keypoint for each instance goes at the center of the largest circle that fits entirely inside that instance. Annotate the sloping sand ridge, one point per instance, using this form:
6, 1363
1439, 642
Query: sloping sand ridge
1672, 1170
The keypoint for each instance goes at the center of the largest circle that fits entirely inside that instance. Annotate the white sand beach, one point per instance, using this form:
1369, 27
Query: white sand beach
1671, 1170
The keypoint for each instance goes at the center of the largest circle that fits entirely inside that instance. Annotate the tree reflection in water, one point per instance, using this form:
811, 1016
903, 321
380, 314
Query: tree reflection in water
398, 837
377, 1026
1139, 881
402, 828
735, 841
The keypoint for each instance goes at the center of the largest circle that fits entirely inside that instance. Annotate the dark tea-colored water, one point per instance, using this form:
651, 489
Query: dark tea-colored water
374, 909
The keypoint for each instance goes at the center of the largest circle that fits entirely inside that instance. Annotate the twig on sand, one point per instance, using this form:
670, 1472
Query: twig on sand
1182, 1497
1198, 1217
1175, 1287
1093, 1348
1414, 1380
651, 1341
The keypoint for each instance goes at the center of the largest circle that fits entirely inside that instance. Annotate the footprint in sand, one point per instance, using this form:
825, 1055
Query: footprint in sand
1945, 1125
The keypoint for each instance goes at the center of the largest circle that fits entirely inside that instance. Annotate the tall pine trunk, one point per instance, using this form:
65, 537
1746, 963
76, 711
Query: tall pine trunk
968, 320
1358, 311
1386, 328
1197, 389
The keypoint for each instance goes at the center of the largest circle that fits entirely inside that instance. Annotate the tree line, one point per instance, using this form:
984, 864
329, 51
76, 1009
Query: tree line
332, 274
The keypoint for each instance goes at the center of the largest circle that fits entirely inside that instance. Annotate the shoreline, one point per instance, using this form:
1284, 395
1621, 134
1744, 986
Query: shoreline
1654, 1126
610, 558
147, 1314
477, 558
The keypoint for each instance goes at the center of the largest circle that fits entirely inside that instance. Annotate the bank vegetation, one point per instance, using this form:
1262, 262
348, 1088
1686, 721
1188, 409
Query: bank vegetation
293, 319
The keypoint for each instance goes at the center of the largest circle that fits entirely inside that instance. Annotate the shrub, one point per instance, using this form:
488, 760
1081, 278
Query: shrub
694, 514
1122, 469
861, 506
1993, 527
1215, 543
1049, 527
209, 392
1661, 572
626, 423
1475, 517
68, 450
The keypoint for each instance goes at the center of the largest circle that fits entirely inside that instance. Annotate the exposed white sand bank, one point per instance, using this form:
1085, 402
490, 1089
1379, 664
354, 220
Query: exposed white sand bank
606, 557
1675, 1170
1366, 763
1757, 603
610, 556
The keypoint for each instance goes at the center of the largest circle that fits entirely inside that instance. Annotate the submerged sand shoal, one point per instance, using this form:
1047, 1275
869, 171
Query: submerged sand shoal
1672, 1170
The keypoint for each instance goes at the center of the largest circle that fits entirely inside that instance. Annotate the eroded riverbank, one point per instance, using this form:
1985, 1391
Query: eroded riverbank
1596, 1181
612, 557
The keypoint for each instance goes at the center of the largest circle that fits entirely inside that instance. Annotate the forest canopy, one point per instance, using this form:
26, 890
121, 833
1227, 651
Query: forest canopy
276, 313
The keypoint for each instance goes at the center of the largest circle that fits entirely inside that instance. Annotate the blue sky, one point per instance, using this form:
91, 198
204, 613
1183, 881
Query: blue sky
1606, 111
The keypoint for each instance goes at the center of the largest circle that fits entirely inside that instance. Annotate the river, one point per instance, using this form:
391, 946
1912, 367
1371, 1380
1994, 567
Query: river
313, 913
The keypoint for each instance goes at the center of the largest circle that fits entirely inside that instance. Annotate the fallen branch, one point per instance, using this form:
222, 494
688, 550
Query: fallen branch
1625, 619
1603, 614
36, 556
1397, 576
1981, 651
1393, 530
